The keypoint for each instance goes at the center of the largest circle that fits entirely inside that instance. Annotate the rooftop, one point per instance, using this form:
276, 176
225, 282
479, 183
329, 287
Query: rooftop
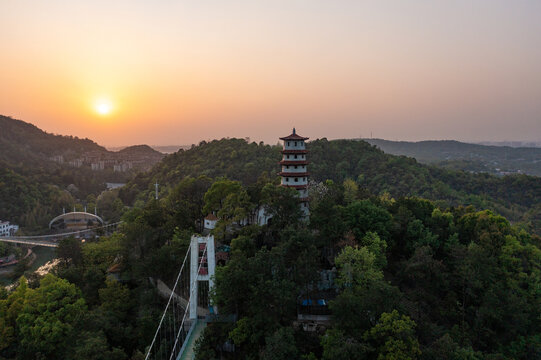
211, 217
294, 136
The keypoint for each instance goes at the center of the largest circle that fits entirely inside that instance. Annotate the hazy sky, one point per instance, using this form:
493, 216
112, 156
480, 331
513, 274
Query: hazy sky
176, 72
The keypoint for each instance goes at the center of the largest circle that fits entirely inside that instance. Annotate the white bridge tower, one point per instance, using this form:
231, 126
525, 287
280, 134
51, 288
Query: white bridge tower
202, 267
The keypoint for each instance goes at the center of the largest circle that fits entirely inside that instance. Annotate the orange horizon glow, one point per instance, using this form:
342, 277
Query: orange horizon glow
172, 73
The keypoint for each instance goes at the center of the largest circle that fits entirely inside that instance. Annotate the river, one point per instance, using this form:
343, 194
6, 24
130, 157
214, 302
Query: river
43, 255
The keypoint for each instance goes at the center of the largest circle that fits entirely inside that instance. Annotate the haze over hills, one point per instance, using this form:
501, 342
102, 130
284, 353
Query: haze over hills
164, 149
498, 160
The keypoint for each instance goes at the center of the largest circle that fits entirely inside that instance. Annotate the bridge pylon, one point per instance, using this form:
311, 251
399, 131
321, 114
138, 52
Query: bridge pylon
202, 268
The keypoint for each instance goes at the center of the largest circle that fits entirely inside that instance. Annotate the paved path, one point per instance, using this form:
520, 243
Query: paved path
189, 353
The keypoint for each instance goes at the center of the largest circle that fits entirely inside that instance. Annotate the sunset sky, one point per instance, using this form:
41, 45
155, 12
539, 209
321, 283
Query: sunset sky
176, 72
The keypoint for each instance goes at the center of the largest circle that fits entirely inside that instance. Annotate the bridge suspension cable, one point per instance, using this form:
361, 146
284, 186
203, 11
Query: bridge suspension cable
192, 289
172, 330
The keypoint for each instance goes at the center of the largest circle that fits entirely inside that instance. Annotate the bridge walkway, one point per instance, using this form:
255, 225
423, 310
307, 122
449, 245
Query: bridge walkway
187, 351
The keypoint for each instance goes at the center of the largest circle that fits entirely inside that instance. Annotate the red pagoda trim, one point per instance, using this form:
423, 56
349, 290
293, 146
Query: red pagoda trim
285, 151
292, 162
293, 174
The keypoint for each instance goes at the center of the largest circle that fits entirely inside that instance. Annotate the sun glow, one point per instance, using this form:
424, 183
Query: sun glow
103, 107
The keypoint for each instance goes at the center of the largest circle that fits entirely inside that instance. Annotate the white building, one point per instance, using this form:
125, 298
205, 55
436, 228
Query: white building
6, 229
210, 222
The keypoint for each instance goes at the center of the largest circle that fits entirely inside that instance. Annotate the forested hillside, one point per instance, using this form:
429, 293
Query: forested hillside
452, 154
516, 197
34, 187
411, 280
24, 144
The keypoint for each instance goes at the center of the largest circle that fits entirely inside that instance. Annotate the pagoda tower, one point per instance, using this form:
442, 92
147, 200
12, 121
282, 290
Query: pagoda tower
294, 173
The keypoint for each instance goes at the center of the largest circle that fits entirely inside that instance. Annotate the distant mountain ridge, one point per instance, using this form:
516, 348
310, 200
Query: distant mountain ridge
497, 160
24, 143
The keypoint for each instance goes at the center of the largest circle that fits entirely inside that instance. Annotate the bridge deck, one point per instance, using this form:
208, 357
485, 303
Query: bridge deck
187, 352
29, 242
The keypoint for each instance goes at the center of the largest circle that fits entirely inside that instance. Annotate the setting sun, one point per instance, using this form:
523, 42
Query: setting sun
103, 107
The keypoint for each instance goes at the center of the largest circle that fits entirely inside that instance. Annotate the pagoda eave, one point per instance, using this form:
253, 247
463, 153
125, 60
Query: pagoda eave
291, 162
293, 174
294, 137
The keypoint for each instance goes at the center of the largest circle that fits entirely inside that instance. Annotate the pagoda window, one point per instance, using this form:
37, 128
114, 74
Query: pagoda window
295, 166
295, 156
295, 143
287, 166
296, 179
288, 143
287, 179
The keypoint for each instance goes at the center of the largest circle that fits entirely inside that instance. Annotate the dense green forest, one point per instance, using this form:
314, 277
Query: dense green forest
516, 197
413, 280
425, 266
471, 157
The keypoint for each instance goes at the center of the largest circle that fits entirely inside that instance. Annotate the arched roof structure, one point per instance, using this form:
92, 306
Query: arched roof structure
76, 216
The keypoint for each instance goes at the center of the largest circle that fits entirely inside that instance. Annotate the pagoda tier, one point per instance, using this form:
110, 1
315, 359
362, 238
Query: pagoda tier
305, 186
294, 162
294, 173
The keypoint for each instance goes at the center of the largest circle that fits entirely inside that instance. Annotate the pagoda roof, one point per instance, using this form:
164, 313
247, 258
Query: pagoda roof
293, 174
211, 217
294, 136
292, 162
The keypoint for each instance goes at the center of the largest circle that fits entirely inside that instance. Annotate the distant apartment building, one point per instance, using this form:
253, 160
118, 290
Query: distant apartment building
7, 229
100, 165
123, 167
76, 163
57, 158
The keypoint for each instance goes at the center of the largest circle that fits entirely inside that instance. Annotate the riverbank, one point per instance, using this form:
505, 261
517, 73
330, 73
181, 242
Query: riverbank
40, 257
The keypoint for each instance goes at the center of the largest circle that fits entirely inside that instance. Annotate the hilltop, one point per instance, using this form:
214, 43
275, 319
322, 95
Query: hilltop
498, 160
24, 142
516, 197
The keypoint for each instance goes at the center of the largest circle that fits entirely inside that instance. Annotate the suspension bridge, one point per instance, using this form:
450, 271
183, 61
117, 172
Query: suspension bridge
187, 310
183, 320
53, 239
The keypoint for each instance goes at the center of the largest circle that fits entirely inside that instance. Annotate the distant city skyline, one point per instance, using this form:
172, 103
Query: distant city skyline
162, 73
